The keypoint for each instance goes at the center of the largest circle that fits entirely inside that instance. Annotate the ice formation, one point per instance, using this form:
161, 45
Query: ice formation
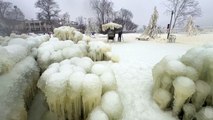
111, 26
100, 51
205, 113
74, 95
56, 51
98, 114
111, 56
85, 62
190, 27
99, 69
91, 94
17, 49
188, 79
111, 104
184, 88
202, 91
108, 81
73, 89
97, 49
57, 83
23, 36
18, 87
4, 40
151, 30
189, 111
162, 98
68, 33
10, 55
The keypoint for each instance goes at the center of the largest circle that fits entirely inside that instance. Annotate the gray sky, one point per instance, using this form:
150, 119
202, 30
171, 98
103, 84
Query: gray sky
141, 9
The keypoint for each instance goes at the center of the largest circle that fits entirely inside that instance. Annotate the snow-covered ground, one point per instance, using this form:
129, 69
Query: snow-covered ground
134, 72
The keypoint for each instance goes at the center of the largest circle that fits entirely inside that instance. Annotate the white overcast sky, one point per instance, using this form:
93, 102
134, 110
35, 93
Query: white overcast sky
141, 9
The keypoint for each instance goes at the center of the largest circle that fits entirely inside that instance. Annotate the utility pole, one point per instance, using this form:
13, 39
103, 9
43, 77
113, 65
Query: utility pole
170, 25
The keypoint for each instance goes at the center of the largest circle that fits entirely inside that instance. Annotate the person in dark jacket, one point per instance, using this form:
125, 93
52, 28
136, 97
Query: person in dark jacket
119, 35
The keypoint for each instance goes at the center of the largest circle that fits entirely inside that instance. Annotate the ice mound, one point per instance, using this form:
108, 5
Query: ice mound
73, 89
68, 33
188, 79
57, 51
17, 89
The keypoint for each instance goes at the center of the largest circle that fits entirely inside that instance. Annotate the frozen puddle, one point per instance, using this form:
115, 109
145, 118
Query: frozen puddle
134, 77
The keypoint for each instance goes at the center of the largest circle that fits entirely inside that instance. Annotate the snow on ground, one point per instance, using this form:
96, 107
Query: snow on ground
198, 39
134, 74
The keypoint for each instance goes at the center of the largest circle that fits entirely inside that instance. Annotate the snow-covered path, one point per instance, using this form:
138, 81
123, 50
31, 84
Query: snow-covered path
134, 77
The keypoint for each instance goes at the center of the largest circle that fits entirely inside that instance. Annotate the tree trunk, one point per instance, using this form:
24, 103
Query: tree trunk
174, 23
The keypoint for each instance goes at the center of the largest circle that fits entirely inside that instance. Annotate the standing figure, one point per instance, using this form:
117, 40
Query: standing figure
119, 35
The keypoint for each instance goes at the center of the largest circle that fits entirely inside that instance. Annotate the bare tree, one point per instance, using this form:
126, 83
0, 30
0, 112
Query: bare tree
11, 18
81, 23
4, 7
130, 26
124, 17
182, 10
49, 11
103, 10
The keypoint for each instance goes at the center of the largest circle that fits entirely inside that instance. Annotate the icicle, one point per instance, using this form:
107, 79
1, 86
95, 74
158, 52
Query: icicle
74, 91
91, 94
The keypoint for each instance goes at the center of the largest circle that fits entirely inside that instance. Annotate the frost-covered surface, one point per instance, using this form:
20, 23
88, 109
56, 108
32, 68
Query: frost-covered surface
97, 49
111, 26
205, 113
17, 49
55, 50
23, 36
134, 77
189, 79
68, 33
19, 75
74, 87
4, 40
36, 39
17, 89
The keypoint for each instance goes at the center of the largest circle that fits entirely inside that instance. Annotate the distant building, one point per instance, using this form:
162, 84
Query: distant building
36, 26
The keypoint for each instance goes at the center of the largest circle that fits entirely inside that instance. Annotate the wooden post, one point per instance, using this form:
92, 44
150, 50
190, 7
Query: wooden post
170, 25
